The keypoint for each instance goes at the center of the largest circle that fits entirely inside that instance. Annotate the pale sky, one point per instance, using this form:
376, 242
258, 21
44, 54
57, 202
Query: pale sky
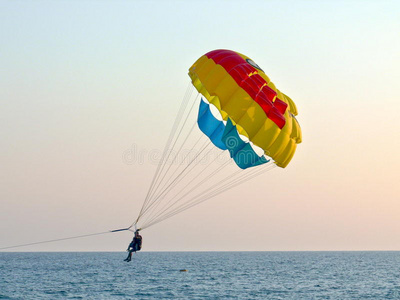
81, 82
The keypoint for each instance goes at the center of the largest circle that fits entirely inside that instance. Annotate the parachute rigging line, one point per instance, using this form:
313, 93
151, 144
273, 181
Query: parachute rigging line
166, 153
178, 118
160, 205
170, 138
166, 206
173, 146
184, 159
165, 211
182, 198
233, 178
206, 167
207, 142
181, 127
197, 200
179, 177
164, 189
202, 197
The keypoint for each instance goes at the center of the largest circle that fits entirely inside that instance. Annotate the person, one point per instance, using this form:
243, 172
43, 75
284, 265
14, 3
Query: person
134, 246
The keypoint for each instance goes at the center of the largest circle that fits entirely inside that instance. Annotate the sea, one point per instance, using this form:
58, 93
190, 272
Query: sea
200, 275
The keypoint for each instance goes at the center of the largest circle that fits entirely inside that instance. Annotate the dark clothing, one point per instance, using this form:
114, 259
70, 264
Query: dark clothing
137, 242
134, 246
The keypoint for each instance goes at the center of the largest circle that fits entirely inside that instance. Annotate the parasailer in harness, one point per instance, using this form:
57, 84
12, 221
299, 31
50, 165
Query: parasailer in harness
135, 245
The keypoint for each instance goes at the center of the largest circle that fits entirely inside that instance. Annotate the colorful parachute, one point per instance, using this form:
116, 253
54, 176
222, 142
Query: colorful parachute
245, 96
241, 113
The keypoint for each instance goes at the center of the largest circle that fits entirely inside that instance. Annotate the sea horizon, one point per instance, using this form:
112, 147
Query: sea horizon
201, 275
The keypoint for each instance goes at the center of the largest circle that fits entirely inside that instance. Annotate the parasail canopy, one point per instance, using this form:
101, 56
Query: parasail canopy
242, 115
242, 92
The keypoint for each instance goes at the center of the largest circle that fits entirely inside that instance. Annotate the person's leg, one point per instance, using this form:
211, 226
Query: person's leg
129, 256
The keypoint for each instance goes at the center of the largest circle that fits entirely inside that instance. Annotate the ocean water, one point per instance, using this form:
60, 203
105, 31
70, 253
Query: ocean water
209, 275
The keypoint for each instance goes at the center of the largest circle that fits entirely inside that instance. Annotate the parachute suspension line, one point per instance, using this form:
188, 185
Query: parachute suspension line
174, 143
167, 206
167, 149
154, 200
172, 133
199, 184
215, 186
242, 179
168, 152
184, 102
232, 180
239, 180
221, 190
180, 177
150, 210
178, 152
193, 188
197, 200
184, 159
172, 163
194, 203
206, 167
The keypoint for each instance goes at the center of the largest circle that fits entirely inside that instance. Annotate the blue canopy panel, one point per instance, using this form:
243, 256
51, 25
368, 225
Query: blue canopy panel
210, 126
242, 152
